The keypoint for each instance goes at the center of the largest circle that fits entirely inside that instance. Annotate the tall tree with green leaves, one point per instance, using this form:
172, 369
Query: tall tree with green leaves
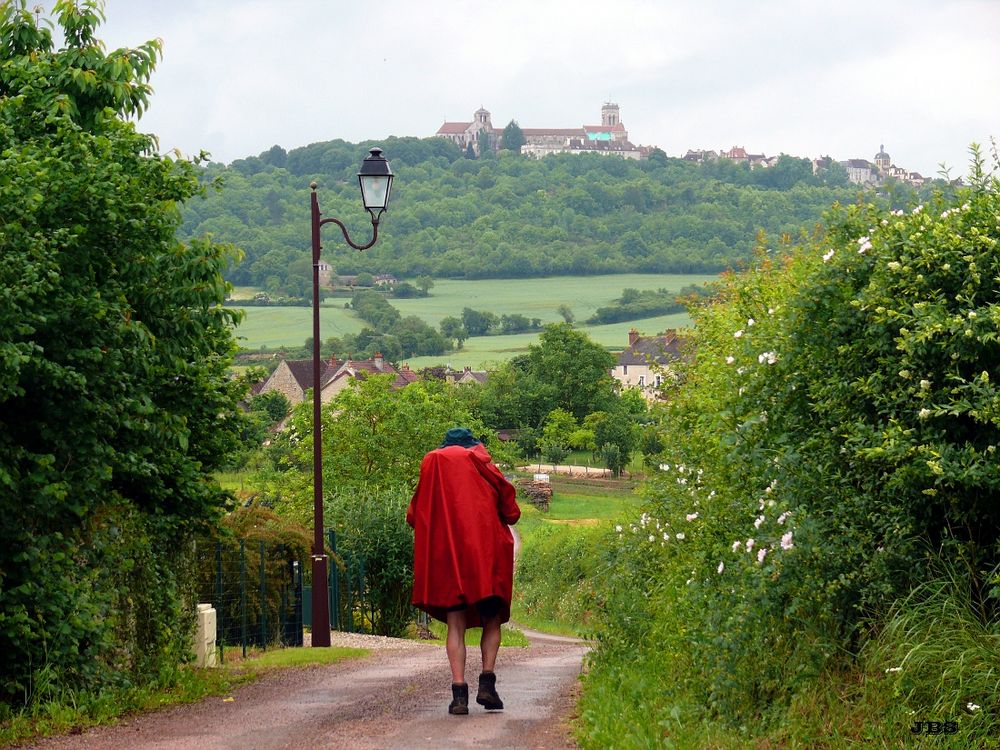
116, 405
513, 137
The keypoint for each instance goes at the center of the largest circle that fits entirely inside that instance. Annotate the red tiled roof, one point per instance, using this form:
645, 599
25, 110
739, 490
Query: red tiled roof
456, 128
552, 131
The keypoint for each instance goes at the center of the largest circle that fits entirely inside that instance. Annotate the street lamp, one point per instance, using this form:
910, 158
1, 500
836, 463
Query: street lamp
375, 179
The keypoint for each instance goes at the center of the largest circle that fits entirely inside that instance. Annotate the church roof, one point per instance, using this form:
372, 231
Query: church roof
456, 128
553, 131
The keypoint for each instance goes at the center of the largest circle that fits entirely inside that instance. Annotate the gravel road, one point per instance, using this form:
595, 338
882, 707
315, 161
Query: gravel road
395, 698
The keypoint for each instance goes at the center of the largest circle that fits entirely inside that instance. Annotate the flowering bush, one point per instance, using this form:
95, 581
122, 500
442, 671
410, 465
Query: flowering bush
839, 420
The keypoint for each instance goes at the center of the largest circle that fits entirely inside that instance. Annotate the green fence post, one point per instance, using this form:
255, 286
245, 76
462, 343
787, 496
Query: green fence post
243, 596
333, 588
220, 630
362, 581
263, 598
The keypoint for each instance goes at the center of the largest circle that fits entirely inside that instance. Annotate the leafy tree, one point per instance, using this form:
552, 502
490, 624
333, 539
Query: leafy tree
116, 404
273, 404
364, 279
424, 284
405, 290
479, 323
513, 137
453, 328
556, 435
567, 313
565, 370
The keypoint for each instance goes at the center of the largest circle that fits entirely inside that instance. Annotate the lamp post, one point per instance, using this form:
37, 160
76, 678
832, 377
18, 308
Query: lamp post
375, 179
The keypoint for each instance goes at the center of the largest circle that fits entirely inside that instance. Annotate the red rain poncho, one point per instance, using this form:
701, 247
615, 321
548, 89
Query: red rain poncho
463, 551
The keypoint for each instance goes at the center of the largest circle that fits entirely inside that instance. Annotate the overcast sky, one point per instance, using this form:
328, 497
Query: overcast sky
837, 77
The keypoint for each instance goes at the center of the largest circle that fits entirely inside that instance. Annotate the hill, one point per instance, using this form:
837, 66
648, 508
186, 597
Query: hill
505, 216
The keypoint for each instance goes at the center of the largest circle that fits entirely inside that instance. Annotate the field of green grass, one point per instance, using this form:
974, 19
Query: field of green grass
275, 327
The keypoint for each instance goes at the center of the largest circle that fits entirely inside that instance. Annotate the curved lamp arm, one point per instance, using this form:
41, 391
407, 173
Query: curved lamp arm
347, 238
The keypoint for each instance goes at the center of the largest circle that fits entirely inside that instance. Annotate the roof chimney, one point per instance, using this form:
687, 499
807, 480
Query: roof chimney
378, 360
633, 336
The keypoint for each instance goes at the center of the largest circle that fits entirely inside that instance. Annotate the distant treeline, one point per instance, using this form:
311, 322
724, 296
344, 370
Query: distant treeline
508, 216
635, 304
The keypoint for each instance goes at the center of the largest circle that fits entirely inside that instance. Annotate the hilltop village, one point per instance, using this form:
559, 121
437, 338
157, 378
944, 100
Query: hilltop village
610, 138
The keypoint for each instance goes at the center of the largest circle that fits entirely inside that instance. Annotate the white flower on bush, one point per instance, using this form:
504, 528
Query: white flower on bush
666, 536
783, 516
758, 522
925, 385
730, 359
750, 322
894, 265
749, 545
738, 334
918, 209
680, 536
890, 670
652, 538
736, 545
924, 413
827, 255
786, 541
770, 311
972, 706
760, 555
864, 244
769, 357
897, 212
691, 516
722, 567
618, 528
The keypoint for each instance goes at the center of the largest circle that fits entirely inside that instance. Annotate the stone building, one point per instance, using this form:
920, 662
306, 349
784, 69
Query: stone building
609, 138
645, 363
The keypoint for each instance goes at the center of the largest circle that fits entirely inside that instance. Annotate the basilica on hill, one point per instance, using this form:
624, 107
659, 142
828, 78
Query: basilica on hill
609, 138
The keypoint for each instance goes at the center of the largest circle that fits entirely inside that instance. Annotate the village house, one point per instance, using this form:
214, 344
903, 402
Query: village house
468, 375
609, 138
294, 377
646, 361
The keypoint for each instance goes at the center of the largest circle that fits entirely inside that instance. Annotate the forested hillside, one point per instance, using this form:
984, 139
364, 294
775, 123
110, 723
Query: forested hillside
506, 216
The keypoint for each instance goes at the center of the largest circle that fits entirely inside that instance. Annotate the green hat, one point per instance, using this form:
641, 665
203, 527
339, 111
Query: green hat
459, 436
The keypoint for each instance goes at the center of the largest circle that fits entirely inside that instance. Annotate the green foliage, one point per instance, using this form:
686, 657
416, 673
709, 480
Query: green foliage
115, 398
479, 323
273, 404
391, 335
559, 574
513, 137
635, 304
839, 419
373, 435
370, 520
509, 217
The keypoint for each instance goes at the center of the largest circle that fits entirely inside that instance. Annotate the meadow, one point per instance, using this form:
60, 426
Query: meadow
277, 327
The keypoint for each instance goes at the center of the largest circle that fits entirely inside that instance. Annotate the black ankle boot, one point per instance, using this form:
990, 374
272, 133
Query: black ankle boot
459, 699
488, 692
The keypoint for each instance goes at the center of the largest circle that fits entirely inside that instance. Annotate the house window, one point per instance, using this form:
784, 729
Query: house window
642, 380
659, 380
624, 369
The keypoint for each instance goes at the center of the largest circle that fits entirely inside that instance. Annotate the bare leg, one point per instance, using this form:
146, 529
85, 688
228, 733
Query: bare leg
489, 644
455, 646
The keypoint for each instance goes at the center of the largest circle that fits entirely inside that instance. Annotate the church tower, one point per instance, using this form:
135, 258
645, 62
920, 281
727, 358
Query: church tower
610, 115
882, 159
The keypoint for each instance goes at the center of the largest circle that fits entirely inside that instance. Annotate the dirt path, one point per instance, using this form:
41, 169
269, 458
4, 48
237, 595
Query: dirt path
396, 698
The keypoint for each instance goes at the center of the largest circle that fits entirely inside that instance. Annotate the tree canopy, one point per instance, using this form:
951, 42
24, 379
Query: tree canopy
509, 216
116, 404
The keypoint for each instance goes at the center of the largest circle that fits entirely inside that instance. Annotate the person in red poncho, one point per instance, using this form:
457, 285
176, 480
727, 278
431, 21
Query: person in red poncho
463, 554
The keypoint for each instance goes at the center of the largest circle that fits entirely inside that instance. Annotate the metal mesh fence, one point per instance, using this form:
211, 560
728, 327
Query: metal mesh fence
256, 590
